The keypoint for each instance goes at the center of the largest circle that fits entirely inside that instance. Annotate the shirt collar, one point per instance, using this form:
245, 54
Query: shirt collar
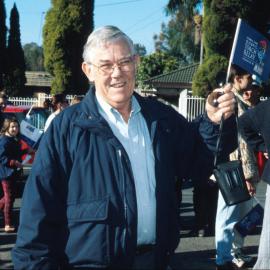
109, 110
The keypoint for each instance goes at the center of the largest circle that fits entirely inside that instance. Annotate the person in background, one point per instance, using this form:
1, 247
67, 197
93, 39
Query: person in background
47, 104
255, 128
76, 99
205, 193
58, 104
205, 196
252, 98
228, 242
101, 193
3, 104
10, 165
252, 95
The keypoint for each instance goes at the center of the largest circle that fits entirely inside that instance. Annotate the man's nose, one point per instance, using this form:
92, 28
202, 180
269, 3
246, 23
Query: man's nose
116, 71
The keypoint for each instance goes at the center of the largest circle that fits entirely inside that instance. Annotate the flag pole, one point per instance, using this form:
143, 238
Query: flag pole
233, 48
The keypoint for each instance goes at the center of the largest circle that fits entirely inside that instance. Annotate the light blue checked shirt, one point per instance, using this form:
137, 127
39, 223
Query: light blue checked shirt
135, 138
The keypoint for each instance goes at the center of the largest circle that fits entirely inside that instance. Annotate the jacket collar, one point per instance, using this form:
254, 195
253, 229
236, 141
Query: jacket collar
89, 106
150, 111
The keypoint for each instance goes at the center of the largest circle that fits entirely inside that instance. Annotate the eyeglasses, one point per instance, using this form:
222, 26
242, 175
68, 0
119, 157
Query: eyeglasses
124, 65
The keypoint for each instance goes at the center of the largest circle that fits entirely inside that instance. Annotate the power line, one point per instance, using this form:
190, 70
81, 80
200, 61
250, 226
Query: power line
96, 6
117, 3
145, 26
144, 19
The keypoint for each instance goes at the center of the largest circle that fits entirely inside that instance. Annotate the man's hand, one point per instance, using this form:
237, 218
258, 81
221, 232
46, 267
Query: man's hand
224, 104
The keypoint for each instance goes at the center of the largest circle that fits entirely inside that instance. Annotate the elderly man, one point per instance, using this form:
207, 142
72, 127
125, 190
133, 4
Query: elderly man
101, 193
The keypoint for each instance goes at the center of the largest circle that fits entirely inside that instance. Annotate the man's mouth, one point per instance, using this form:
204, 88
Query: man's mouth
118, 85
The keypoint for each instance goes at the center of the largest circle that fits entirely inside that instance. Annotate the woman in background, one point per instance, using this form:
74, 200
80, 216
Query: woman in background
10, 165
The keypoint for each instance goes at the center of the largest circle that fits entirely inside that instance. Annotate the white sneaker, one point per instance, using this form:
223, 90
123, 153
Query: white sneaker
241, 259
238, 262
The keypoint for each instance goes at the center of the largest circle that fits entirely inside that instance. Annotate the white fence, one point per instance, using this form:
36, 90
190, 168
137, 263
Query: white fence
20, 101
190, 107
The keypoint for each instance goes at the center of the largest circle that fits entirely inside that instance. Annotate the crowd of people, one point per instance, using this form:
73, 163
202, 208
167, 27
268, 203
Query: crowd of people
102, 190
12, 152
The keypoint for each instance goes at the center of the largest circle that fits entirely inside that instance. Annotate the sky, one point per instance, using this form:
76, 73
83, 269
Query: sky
140, 19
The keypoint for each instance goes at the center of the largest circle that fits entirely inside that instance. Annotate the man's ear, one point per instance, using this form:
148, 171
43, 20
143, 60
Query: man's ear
86, 68
237, 80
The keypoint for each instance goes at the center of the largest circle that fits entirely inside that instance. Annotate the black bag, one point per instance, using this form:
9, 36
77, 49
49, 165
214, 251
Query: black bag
231, 182
230, 176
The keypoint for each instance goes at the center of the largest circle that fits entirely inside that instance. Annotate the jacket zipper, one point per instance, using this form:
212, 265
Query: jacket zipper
124, 195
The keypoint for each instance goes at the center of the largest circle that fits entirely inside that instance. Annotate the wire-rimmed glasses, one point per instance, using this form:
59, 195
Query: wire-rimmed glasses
125, 65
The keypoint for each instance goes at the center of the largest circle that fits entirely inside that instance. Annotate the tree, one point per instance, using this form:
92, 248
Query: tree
15, 75
33, 55
140, 49
3, 33
67, 25
210, 75
178, 36
174, 6
155, 64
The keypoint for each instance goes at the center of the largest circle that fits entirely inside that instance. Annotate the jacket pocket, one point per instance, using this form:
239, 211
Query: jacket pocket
88, 244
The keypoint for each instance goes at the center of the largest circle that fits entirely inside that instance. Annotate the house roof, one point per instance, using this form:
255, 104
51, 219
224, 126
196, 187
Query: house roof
182, 77
38, 78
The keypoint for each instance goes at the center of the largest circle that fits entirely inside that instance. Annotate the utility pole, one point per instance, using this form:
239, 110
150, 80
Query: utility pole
198, 34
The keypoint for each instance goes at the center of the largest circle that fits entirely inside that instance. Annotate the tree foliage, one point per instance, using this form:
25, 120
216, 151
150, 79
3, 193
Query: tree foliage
174, 6
33, 55
210, 75
3, 34
15, 73
67, 25
140, 49
153, 65
178, 36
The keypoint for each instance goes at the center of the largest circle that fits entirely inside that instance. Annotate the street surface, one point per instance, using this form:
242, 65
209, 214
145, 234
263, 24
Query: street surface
193, 253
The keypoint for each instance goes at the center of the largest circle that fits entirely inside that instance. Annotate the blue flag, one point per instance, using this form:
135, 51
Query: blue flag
251, 51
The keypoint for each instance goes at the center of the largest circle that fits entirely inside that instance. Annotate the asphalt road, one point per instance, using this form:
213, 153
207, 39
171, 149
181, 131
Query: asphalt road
192, 252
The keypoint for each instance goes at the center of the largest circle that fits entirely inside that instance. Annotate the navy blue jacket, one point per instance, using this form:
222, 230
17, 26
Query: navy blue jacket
254, 126
10, 150
79, 204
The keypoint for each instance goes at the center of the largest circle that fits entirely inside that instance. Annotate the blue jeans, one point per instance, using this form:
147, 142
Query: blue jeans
226, 218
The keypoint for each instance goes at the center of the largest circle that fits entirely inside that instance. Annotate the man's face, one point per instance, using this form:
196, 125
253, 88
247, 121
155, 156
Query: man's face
113, 71
244, 82
251, 95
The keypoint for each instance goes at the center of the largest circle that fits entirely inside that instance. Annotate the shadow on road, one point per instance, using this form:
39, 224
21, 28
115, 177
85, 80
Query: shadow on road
203, 260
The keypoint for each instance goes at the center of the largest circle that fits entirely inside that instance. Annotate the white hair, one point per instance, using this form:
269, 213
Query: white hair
101, 36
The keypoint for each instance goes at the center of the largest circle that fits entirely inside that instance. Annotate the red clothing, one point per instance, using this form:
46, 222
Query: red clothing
261, 159
7, 201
